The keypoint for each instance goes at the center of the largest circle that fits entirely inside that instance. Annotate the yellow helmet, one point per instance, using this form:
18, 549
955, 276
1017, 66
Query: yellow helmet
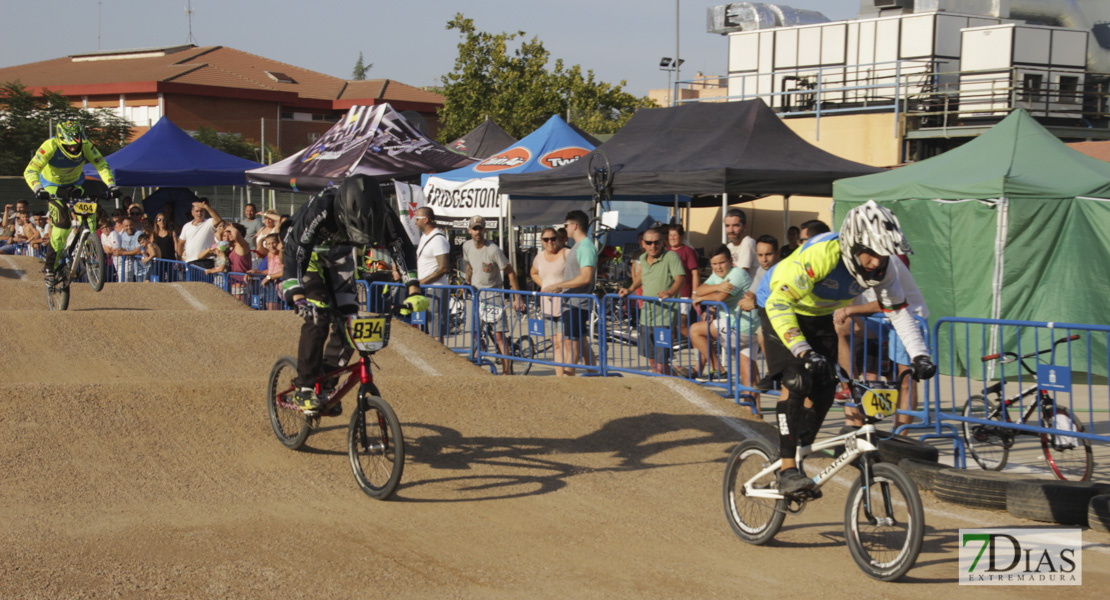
71, 136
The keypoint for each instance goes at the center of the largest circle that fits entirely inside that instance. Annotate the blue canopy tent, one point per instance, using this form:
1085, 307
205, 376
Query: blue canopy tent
166, 156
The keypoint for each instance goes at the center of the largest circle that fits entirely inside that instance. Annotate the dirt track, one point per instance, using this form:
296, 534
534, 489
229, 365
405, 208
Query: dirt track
138, 461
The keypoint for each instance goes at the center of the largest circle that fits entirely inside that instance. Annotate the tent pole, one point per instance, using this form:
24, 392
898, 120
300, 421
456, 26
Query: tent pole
724, 211
785, 215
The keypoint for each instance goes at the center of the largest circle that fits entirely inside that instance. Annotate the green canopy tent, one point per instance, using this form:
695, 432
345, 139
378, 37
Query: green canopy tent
1012, 225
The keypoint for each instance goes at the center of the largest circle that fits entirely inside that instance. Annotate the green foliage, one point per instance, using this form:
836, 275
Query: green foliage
26, 121
228, 143
361, 69
515, 88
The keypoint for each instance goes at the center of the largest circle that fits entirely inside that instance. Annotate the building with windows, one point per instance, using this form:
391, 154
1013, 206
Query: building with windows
222, 88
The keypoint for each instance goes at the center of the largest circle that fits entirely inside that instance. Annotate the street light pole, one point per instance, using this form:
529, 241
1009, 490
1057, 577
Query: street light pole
677, 56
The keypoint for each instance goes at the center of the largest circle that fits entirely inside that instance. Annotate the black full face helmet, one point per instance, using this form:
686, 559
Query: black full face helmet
358, 209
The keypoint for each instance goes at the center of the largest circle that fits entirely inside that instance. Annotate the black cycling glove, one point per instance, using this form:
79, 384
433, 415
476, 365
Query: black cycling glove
923, 368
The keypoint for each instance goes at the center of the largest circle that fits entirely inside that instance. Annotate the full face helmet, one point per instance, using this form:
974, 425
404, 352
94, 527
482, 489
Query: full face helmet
358, 210
871, 228
71, 135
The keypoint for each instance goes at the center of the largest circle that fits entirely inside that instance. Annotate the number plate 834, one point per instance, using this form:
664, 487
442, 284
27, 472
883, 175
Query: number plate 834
367, 334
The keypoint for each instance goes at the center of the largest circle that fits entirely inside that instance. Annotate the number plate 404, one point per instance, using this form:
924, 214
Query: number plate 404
85, 208
367, 330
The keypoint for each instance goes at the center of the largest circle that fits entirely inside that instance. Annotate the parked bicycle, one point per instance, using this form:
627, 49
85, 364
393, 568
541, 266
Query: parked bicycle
884, 522
1068, 457
375, 443
491, 315
83, 254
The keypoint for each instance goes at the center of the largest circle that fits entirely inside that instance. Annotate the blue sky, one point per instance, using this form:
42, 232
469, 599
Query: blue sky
407, 41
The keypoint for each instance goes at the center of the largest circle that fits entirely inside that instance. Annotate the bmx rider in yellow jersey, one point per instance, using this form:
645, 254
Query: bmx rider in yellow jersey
798, 297
57, 165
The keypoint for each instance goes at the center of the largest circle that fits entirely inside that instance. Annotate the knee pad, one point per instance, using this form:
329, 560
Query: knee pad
797, 380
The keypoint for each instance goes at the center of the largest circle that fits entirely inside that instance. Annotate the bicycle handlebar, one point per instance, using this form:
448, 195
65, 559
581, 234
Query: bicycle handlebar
998, 355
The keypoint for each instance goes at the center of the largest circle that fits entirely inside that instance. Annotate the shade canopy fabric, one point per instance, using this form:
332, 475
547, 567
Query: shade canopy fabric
483, 141
736, 148
369, 140
475, 189
1017, 158
167, 156
1011, 225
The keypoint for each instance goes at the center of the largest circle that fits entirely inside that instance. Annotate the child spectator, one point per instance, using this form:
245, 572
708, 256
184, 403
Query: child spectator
150, 251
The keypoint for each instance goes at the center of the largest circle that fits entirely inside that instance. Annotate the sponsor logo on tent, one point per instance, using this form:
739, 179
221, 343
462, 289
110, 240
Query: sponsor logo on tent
513, 157
460, 144
562, 156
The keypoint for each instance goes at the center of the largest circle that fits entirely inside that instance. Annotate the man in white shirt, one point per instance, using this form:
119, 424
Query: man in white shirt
433, 262
127, 251
198, 235
740, 245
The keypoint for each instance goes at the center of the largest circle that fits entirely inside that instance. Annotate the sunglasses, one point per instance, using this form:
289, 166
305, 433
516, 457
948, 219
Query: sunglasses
653, 242
160, 220
549, 239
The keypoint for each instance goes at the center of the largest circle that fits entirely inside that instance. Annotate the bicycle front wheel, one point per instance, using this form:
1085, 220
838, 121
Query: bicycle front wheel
286, 419
884, 523
96, 266
57, 296
754, 520
376, 447
989, 445
1069, 457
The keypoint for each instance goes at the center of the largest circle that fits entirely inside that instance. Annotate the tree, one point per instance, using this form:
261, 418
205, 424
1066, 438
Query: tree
515, 88
361, 70
228, 143
26, 121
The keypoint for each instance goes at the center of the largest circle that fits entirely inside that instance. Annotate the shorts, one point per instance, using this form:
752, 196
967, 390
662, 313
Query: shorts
895, 349
744, 340
818, 331
576, 323
660, 353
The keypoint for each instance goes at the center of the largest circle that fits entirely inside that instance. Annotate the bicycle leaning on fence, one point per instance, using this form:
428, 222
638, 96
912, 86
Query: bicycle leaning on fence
1069, 457
884, 522
83, 254
490, 315
374, 440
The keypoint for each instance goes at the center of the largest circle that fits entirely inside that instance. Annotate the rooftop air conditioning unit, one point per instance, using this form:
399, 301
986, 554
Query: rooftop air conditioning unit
892, 3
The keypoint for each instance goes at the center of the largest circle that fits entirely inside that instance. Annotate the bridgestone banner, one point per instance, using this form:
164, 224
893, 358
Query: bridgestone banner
467, 198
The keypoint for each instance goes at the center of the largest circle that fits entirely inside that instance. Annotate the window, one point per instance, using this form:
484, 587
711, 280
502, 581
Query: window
1069, 89
280, 77
1031, 87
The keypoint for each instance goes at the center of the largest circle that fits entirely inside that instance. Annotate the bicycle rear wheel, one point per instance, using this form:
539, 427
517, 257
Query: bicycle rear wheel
754, 520
96, 266
884, 523
989, 445
1069, 457
526, 351
286, 419
376, 447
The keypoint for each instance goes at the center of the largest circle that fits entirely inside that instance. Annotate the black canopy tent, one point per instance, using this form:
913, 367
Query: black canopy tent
736, 148
483, 141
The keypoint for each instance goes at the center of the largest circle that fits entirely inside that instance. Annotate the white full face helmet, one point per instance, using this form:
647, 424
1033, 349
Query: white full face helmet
875, 229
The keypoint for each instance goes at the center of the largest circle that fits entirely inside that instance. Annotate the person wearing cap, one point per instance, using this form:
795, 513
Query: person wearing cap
486, 267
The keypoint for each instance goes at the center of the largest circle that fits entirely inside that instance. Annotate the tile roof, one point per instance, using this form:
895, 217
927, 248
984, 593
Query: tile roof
217, 66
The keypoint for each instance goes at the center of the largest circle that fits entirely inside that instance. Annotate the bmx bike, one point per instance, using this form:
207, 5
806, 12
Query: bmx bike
1068, 457
83, 254
884, 522
375, 444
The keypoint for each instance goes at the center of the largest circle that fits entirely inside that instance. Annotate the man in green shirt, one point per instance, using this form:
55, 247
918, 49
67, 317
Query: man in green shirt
662, 276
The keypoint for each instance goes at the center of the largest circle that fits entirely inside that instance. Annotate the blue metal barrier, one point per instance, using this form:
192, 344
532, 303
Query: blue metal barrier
1068, 371
534, 329
448, 316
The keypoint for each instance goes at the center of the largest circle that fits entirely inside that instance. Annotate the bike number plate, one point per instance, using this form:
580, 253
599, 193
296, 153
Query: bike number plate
367, 335
85, 208
879, 403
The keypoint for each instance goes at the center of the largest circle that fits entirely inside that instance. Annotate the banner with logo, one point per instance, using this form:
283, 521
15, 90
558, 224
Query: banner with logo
409, 198
475, 189
369, 140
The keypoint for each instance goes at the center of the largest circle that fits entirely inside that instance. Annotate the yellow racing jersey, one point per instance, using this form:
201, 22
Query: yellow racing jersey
51, 167
813, 281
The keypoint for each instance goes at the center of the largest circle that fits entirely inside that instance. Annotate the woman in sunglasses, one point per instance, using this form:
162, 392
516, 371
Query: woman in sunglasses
547, 269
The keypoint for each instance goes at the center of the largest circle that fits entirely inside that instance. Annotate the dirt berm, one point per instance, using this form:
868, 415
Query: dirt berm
137, 461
